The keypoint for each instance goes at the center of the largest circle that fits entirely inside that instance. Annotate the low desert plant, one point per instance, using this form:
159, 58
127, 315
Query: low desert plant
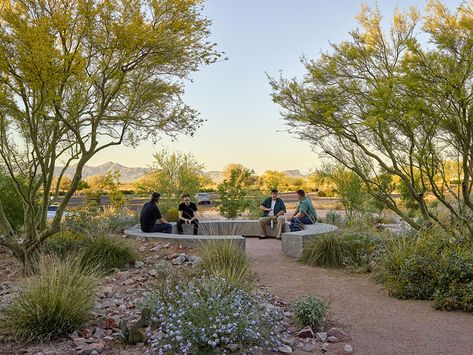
204, 314
171, 215
334, 218
64, 243
52, 302
348, 248
108, 253
309, 310
329, 250
226, 260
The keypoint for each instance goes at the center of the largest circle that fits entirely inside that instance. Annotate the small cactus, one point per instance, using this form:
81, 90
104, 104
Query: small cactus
136, 333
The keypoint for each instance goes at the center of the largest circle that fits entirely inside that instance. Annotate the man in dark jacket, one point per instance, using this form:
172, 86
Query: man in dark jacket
150, 213
273, 211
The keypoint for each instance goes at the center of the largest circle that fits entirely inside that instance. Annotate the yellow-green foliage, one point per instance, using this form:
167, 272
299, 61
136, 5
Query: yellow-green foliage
226, 260
171, 215
108, 253
64, 242
52, 302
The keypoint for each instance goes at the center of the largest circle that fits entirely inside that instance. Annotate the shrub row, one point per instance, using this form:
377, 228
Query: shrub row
433, 266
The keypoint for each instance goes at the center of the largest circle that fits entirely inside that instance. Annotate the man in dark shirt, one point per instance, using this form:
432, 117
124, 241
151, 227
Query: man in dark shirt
186, 214
150, 213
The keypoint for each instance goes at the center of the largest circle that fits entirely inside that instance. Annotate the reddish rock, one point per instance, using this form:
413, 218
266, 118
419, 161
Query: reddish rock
306, 332
338, 333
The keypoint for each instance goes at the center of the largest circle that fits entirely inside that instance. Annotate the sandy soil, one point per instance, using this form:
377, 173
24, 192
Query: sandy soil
378, 323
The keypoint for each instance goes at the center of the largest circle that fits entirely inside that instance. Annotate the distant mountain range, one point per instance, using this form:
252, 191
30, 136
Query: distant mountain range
128, 175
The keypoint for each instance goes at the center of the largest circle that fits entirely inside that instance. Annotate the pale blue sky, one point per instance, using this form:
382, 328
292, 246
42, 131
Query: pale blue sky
259, 36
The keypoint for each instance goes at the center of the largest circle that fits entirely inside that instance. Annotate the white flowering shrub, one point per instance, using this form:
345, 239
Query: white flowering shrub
206, 313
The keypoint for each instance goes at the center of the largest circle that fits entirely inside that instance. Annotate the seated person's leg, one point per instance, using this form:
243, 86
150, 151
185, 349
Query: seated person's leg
306, 220
195, 222
167, 228
296, 225
179, 224
162, 228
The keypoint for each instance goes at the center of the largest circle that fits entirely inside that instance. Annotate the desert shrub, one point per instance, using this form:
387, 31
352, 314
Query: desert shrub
309, 310
205, 313
327, 250
334, 218
433, 265
454, 289
64, 243
410, 265
108, 253
226, 260
171, 215
92, 223
51, 303
354, 249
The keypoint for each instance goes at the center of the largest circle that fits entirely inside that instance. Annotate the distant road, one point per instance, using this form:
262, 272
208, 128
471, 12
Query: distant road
135, 202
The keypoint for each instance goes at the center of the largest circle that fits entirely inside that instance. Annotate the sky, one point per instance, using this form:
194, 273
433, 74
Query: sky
260, 38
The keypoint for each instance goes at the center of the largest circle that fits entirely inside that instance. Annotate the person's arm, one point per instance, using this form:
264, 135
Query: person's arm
295, 215
262, 207
180, 216
301, 210
282, 211
193, 208
162, 220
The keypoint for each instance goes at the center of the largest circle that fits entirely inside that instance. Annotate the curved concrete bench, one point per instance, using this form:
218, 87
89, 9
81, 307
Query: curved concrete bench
235, 230
293, 242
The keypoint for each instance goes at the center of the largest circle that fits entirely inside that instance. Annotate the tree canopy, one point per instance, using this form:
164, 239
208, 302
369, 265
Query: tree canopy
77, 77
388, 104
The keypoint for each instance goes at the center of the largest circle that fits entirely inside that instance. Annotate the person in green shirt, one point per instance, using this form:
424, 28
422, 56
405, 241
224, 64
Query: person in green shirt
304, 213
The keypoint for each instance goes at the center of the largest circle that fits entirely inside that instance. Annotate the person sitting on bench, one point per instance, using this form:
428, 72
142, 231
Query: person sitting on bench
186, 214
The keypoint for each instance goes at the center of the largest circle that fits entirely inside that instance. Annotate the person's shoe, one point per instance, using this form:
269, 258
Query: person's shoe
180, 233
262, 237
278, 237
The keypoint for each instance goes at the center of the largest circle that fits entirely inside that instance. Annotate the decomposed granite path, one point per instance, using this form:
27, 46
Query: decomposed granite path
377, 323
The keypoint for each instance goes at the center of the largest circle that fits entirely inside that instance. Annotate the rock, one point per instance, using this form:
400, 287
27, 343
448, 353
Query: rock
75, 334
179, 260
337, 333
129, 282
321, 336
142, 248
309, 348
348, 349
122, 275
139, 264
111, 323
108, 292
99, 332
289, 340
306, 332
152, 272
95, 348
165, 246
324, 347
156, 248
288, 314
255, 350
332, 339
80, 342
233, 348
141, 239
285, 349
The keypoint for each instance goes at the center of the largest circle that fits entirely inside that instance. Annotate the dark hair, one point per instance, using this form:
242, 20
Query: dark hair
155, 196
301, 193
274, 191
186, 195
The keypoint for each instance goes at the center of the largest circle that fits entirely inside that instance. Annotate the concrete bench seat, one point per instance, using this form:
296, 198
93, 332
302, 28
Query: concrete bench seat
235, 230
293, 242
188, 240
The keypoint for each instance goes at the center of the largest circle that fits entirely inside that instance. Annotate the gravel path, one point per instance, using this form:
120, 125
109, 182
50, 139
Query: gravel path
378, 323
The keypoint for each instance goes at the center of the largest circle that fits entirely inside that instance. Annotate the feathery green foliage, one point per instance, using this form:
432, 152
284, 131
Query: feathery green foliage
309, 310
226, 260
108, 253
52, 302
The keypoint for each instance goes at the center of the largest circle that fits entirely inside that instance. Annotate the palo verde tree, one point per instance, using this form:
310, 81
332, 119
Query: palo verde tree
387, 105
79, 76
172, 174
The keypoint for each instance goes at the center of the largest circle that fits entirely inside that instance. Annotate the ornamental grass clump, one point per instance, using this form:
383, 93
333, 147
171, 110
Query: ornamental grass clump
348, 248
52, 302
108, 253
309, 310
206, 313
226, 260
